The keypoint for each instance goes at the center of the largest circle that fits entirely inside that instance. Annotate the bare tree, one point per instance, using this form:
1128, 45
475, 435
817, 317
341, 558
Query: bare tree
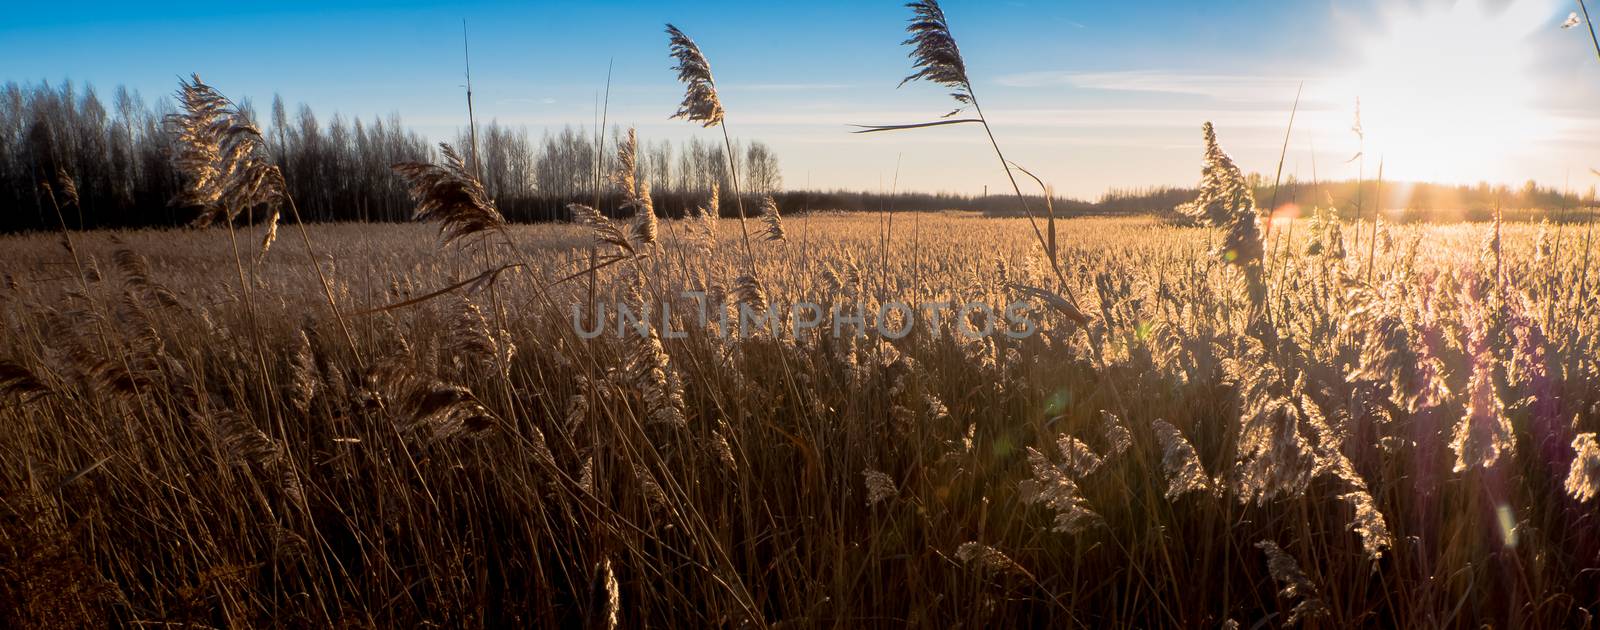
761, 169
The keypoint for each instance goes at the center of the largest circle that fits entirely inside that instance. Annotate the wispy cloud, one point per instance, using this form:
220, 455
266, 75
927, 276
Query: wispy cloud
1086, 118
782, 87
526, 101
1221, 87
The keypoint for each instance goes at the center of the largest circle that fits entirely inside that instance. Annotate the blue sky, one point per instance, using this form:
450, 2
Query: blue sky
1091, 95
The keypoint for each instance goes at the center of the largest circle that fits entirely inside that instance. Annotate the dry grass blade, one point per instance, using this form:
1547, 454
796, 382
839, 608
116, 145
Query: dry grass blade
600, 263
80, 473
937, 123
451, 194
1049, 213
1060, 304
937, 59
480, 280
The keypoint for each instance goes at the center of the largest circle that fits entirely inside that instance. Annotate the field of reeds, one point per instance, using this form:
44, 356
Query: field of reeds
1408, 443
1212, 418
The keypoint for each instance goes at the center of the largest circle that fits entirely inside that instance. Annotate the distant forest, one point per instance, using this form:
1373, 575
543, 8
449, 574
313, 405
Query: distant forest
118, 156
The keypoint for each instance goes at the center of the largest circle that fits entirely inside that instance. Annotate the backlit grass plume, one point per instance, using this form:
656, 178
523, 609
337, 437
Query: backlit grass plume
769, 216
625, 175
223, 158
226, 169
1583, 479
703, 228
69, 186
936, 58
880, 486
748, 293
935, 55
1293, 582
1326, 237
644, 228
1484, 433
450, 194
700, 103
1179, 462
604, 229
1054, 486
635, 193
987, 559
1226, 202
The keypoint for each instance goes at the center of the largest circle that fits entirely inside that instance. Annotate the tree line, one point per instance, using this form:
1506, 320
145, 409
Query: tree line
1401, 201
117, 152
116, 159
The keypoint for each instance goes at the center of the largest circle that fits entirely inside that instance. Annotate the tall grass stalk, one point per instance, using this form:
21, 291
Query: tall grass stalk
937, 59
1377, 215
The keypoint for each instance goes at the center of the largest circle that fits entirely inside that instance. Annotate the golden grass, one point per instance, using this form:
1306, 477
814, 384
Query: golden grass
481, 464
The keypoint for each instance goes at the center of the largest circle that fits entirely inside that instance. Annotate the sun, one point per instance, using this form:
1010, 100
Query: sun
1448, 91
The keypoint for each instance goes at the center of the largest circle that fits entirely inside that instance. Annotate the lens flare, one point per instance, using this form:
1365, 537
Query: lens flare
1448, 91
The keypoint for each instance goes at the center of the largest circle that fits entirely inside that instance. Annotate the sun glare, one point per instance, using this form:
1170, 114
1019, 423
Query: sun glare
1447, 91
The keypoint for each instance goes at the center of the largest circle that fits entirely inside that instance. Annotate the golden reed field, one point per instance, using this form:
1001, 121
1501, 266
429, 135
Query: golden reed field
1410, 442
1219, 417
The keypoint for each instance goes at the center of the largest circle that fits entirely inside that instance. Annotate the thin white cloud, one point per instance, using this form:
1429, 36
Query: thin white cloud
525, 101
783, 87
1222, 87
1096, 118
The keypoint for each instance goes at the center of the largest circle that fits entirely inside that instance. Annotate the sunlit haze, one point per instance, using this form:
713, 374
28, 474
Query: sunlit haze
1090, 96
1453, 93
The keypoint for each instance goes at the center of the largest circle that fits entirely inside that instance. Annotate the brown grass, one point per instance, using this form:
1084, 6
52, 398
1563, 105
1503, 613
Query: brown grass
492, 468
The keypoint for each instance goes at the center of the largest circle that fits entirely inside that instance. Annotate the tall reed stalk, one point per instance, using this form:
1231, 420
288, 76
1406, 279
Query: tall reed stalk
937, 59
702, 105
